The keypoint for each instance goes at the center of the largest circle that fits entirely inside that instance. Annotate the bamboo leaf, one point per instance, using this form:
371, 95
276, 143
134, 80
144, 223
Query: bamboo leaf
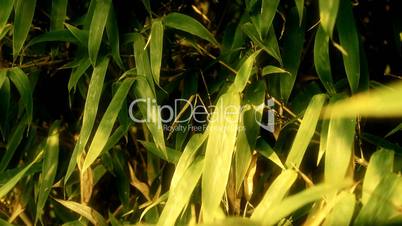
293, 47
270, 45
342, 213
142, 61
268, 152
339, 149
90, 110
78, 72
106, 125
322, 61
13, 141
253, 104
24, 12
190, 25
97, 27
274, 195
381, 163
305, 132
270, 69
58, 14
112, 31
181, 193
23, 85
218, 155
173, 155
156, 48
328, 15
243, 74
300, 8
187, 158
49, 168
294, 202
14, 180
382, 208
92, 215
376, 103
6, 8
54, 36
349, 39
268, 11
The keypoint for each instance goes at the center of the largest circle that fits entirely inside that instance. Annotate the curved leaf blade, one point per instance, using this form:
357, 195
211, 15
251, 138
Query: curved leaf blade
190, 25
24, 12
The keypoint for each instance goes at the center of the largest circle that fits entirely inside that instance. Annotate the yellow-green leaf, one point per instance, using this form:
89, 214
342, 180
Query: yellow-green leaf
218, 155
156, 48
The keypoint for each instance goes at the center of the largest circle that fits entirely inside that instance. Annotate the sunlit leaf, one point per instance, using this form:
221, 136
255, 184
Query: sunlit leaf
92, 215
190, 25
156, 49
328, 14
268, 11
218, 155
305, 131
106, 125
274, 195
97, 27
49, 168
181, 193
89, 115
342, 213
112, 31
381, 163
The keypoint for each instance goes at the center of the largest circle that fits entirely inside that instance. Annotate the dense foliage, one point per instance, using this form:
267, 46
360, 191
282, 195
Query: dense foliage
288, 120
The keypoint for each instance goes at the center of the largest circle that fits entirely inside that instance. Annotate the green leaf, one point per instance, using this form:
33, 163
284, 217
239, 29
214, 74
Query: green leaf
305, 131
322, 61
381, 163
156, 48
379, 102
180, 194
274, 195
243, 74
90, 110
328, 14
300, 8
77, 73
252, 108
342, 213
92, 215
173, 155
294, 202
339, 149
97, 27
112, 31
190, 25
6, 8
106, 125
5, 97
383, 206
292, 54
54, 36
349, 39
58, 14
270, 45
142, 61
24, 12
268, 152
233, 221
49, 168
187, 158
81, 35
14, 180
13, 141
270, 69
23, 85
268, 11
218, 155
